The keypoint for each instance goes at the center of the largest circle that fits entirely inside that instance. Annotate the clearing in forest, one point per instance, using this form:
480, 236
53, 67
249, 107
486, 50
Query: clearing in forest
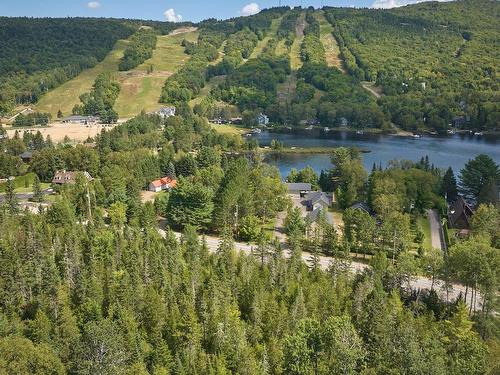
141, 90
259, 48
66, 96
332, 50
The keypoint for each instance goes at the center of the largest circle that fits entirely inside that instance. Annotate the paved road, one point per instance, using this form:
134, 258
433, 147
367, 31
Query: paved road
26, 196
437, 238
325, 262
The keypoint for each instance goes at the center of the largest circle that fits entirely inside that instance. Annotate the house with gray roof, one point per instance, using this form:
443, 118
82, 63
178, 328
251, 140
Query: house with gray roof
301, 188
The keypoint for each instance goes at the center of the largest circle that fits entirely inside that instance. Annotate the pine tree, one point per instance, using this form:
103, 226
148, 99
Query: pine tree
37, 190
11, 198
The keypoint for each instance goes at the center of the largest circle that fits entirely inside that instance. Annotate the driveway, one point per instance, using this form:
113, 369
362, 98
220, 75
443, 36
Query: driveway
437, 236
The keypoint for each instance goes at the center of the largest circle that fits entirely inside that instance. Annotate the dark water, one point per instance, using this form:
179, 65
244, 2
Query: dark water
454, 150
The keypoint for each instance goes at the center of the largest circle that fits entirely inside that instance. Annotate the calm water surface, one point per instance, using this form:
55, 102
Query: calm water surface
443, 152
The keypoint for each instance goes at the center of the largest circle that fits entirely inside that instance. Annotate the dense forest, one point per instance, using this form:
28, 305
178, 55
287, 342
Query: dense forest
141, 47
434, 61
90, 285
35, 58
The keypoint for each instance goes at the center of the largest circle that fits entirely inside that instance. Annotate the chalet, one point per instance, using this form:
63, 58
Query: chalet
459, 214
68, 177
315, 214
26, 156
317, 199
165, 183
299, 188
165, 112
83, 120
262, 119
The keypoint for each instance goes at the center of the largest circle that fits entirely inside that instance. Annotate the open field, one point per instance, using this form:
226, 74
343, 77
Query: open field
23, 184
57, 131
228, 129
332, 51
141, 91
68, 94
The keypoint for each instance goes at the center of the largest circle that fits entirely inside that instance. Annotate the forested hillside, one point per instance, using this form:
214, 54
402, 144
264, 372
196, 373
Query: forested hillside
40, 54
434, 61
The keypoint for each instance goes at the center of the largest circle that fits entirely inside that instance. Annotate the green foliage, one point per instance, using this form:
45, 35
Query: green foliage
140, 49
43, 53
433, 61
100, 101
190, 204
32, 119
480, 179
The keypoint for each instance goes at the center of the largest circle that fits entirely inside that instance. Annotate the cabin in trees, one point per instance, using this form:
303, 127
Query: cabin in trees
460, 214
262, 119
69, 177
26, 156
165, 183
317, 199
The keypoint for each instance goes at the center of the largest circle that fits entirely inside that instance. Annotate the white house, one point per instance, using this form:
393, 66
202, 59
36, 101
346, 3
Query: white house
165, 183
165, 112
262, 119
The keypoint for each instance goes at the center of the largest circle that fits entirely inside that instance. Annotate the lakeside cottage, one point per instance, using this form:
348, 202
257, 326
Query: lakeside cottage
68, 177
164, 183
262, 119
460, 214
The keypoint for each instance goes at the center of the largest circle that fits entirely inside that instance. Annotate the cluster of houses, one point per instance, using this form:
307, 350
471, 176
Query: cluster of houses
316, 203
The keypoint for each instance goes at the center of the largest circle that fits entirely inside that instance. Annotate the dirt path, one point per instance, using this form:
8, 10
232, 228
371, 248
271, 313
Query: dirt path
370, 86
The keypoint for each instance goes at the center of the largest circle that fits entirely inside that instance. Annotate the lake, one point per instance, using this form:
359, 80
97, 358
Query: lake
443, 151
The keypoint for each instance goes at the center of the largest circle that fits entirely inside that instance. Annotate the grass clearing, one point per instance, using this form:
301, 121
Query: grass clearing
259, 48
141, 91
228, 129
295, 60
23, 184
66, 96
214, 81
425, 226
332, 50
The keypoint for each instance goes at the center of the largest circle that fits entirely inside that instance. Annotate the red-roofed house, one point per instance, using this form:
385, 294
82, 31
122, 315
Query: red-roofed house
165, 183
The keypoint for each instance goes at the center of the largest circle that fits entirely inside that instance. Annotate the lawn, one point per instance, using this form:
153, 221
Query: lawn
425, 226
68, 94
228, 129
23, 184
